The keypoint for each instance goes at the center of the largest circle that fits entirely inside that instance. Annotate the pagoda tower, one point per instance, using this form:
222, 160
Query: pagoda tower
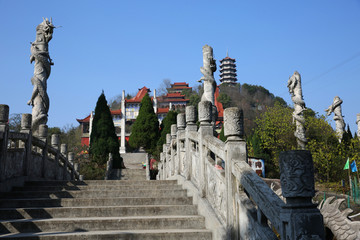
228, 70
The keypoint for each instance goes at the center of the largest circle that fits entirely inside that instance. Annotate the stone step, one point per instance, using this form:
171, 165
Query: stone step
96, 187
73, 202
159, 234
103, 211
100, 182
94, 194
101, 223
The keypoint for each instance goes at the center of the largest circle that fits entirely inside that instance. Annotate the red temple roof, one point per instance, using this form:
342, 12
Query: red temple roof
163, 110
139, 96
87, 119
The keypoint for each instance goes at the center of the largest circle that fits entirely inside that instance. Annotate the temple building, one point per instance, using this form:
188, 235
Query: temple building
228, 70
178, 87
125, 116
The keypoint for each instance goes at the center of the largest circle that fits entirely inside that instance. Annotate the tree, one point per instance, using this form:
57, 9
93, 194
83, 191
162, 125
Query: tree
103, 139
145, 130
162, 90
224, 99
166, 127
15, 122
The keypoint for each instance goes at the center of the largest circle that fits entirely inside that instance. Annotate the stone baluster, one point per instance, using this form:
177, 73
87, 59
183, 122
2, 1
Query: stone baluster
55, 141
4, 133
162, 169
26, 128
206, 128
43, 133
235, 148
174, 161
191, 126
167, 155
63, 149
301, 218
180, 124
70, 157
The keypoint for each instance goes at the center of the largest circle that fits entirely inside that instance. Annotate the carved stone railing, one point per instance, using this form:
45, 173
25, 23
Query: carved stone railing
243, 203
24, 157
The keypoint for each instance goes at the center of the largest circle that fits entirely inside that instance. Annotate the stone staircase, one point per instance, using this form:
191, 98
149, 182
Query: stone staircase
124, 209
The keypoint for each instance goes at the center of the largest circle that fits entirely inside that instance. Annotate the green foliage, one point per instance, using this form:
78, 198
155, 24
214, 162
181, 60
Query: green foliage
194, 100
103, 139
92, 170
224, 99
166, 127
276, 133
222, 135
252, 89
145, 130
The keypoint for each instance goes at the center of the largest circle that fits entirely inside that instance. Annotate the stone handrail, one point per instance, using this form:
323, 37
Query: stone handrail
242, 202
24, 157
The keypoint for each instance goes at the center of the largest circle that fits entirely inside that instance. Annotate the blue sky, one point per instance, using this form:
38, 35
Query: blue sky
125, 45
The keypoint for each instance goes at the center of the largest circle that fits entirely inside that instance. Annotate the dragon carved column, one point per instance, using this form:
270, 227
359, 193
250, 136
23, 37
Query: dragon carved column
335, 108
294, 85
40, 54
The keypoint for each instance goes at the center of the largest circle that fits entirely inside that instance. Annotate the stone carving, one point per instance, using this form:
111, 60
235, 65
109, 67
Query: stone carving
40, 54
296, 174
335, 108
358, 124
233, 122
208, 69
294, 85
190, 112
205, 110
180, 121
337, 221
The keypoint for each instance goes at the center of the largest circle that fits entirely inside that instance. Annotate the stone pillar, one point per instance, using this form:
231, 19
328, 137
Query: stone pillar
168, 156
42, 134
63, 149
26, 123
235, 148
180, 123
4, 132
123, 120
55, 141
174, 161
191, 126
27, 145
206, 128
358, 124
71, 158
301, 218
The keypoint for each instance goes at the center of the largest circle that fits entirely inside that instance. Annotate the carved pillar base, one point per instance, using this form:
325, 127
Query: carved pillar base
300, 217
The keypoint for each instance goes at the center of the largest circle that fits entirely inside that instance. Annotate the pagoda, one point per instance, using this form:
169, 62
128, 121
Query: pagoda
228, 70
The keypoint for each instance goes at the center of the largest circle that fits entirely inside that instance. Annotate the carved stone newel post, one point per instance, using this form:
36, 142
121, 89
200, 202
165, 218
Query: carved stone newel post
294, 85
190, 115
335, 108
180, 123
301, 218
206, 128
40, 54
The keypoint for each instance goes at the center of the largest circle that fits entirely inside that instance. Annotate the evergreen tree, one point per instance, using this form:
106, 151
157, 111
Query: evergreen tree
103, 139
166, 127
145, 130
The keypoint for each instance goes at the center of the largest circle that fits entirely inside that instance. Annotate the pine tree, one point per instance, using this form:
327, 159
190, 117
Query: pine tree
145, 130
166, 127
103, 139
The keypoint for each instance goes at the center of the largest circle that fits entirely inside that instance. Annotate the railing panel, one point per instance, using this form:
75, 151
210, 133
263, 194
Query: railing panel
14, 163
215, 145
216, 190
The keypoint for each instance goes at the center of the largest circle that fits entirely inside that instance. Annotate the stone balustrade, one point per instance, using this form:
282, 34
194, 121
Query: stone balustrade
24, 157
244, 205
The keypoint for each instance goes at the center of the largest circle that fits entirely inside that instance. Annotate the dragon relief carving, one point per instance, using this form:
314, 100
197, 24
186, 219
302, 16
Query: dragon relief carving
337, 221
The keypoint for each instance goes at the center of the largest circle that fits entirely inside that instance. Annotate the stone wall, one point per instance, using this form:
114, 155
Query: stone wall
241, 201
24, 157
